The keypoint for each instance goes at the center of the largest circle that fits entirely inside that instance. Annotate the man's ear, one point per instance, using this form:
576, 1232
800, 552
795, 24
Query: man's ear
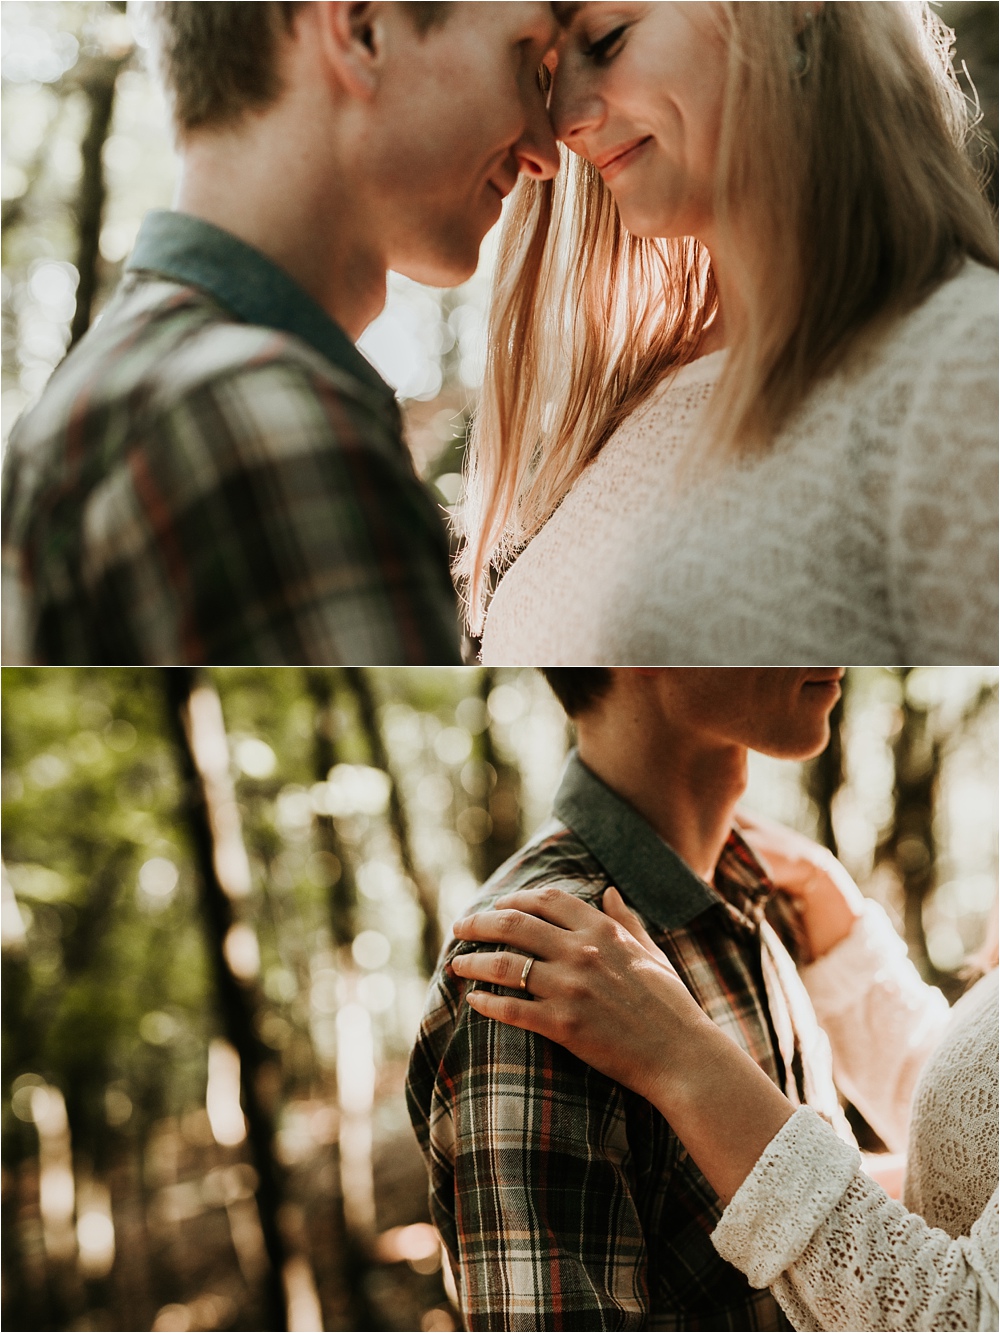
351, 35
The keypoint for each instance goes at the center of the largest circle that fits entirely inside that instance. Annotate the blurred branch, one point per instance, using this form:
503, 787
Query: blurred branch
98, 83
356, 1206
431, 938
503, 803
210, 809
908, 842
987, 696
343, 888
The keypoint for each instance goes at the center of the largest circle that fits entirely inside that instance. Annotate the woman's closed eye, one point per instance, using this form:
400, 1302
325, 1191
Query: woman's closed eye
604, 48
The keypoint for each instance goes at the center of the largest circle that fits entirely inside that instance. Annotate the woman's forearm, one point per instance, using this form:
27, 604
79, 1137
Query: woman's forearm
882, 1019
720, 1104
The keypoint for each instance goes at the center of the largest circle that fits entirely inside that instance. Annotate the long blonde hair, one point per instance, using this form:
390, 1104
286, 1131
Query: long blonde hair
862, 198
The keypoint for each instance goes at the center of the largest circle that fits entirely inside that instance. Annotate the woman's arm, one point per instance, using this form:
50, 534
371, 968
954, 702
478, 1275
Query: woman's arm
838, 1253
882, 1019
938, 501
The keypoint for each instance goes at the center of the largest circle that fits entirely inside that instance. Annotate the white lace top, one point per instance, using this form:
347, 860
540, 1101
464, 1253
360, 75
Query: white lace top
867, 535
807, 1222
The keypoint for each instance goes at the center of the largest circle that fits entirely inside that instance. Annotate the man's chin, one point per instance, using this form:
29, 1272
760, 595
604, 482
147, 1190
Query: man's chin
799, 744
447, 267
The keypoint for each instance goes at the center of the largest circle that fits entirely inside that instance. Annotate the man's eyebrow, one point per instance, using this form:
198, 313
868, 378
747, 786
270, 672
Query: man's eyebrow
565, 11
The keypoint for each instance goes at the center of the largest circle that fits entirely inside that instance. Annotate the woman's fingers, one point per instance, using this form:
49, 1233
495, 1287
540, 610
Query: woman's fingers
506, 926
554, 905
500, 969
516, 1013
616, 907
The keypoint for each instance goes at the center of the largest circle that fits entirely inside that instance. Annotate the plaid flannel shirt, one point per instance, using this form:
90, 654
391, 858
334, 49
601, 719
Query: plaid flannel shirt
216, 474
565, 1201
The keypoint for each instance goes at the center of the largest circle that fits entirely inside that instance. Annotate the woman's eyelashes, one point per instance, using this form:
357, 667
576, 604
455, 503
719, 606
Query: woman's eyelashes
604, 48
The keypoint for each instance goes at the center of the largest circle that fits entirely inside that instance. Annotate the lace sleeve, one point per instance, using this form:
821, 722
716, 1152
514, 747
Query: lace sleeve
839, 1254
882, 1019
942, 512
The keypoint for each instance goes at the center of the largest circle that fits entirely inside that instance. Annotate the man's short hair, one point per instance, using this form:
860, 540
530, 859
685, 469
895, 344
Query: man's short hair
578, 688
219, 60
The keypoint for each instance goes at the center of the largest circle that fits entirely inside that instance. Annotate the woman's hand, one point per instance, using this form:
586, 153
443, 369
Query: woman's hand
827, 899
598, 986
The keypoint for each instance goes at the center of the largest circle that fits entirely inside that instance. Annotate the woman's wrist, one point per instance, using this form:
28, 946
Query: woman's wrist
719, 1102
685, 1045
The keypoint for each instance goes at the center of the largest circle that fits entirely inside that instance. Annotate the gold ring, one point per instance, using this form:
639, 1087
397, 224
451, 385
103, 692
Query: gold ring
524, 974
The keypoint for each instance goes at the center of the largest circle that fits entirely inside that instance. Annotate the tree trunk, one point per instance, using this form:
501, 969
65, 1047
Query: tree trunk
99, 89
908, 842
210, 814
424, 891
355, 1213
343, 887
503, 802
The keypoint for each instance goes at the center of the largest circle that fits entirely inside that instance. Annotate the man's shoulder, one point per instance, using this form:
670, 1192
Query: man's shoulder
554, 856
169, 390
186, 465
166, 354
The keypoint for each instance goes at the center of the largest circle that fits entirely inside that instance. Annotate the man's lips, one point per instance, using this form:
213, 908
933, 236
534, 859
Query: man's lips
617, 155
502, 187
825, 676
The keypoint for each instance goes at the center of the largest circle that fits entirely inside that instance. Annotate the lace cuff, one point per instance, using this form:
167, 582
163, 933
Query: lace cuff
798, 1180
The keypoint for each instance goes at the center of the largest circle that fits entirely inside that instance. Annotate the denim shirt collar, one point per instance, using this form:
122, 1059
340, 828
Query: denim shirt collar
189, 250
648, 872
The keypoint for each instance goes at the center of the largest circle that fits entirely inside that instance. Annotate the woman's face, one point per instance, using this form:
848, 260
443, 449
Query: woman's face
638, 91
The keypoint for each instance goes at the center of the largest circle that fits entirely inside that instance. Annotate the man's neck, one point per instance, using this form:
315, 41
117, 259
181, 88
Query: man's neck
686, 791
262, 184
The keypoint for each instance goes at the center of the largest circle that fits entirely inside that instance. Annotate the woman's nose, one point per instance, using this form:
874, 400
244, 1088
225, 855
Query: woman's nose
574, 108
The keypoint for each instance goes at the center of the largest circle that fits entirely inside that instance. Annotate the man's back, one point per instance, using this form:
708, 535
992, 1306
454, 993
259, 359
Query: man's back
216, 475
564, 1200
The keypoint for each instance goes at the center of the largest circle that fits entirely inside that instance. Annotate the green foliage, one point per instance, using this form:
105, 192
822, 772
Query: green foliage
90, 797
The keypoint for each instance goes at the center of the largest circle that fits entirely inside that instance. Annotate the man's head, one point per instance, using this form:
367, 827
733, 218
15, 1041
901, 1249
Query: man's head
426, 113
779, 711
578, 688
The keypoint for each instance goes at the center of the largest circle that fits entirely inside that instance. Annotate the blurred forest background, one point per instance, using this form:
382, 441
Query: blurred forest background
223, 895
86, 152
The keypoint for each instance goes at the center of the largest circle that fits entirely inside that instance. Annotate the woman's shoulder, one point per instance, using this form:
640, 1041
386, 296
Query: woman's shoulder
959, 318
936, 362
978, 1006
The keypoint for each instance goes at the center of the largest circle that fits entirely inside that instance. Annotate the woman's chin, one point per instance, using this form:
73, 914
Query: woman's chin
644, 223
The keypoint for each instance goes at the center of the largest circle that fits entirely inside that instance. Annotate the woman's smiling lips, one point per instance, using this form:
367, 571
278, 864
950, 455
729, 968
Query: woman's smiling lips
611, 163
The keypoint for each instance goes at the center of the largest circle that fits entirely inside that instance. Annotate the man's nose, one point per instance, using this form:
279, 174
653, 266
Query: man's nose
536, 151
